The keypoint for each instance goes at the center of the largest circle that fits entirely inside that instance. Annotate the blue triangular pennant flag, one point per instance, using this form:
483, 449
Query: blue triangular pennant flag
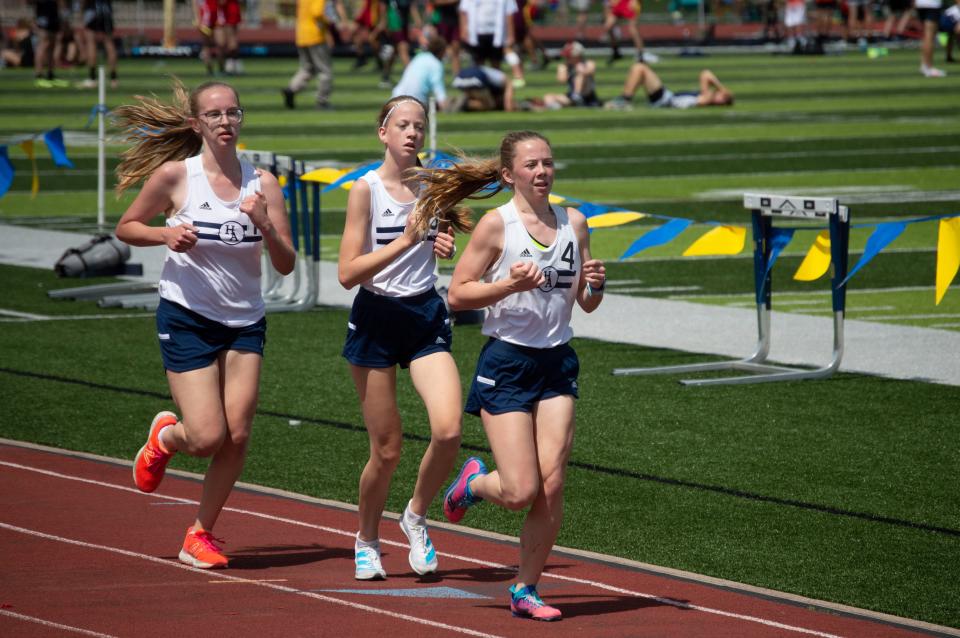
779, 238
58, 151
880, 239
657, 236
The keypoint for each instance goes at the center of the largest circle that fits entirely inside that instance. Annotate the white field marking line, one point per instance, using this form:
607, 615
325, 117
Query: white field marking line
227, 577
754, 174
467, 559
624, 282
945, 325
22, 315
660, 289
55, 625
132, 315
646, 159
930, 316
851, 310
245, 581
804, 293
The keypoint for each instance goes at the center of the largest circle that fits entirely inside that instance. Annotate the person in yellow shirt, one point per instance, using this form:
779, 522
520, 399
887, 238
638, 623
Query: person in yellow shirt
314, 18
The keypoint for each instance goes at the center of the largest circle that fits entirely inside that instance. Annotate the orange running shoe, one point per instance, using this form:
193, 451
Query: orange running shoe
200, 550
151, 461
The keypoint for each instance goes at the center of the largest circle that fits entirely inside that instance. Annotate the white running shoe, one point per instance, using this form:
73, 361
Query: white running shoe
367, 560
931, 72
422, 556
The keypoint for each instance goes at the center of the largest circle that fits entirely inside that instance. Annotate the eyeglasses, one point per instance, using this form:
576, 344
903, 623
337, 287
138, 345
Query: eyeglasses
234, 116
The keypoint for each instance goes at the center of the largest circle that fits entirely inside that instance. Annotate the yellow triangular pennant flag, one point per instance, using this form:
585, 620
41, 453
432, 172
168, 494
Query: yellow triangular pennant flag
722, 240
326, 175
556, 199
817, 261
948, 254
27, 146
613, 219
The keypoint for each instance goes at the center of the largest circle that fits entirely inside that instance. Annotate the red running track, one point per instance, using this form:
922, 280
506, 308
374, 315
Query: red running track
84, 553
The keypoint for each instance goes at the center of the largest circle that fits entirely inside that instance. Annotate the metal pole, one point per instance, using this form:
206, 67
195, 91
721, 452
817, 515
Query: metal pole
433, 127
169, 24
101, 147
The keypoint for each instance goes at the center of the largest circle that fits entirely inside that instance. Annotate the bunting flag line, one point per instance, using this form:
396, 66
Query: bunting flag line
948, 255
618, 218
779, 239
56, 147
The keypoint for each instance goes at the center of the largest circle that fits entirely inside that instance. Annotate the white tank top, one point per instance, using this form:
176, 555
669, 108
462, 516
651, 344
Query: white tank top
538, 318
219, 277
414, 271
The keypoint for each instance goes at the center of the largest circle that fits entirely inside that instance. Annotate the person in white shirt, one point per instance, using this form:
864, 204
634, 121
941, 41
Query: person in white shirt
220, 213
486, 26
528, 263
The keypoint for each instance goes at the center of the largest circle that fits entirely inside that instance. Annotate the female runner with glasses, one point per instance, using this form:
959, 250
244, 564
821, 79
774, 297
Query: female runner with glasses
220, 213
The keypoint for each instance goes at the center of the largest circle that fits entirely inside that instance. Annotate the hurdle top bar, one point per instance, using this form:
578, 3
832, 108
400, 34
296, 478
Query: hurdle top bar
266, 158
795, 206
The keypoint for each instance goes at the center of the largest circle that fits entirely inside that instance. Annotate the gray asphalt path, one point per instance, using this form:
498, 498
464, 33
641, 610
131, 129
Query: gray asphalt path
886, 350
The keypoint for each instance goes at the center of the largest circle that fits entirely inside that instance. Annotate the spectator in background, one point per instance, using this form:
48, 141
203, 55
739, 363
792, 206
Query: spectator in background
205, 21
314, 20
48, 28
446, 18
626, 12
825, 11
368, 27
950, 25
711, 93
98, 25
928, 11
899, 12
423, 77
487, 28
857, 21
17, 48
222, 18
582, 7
482, 88
396, 16
579, 74
795, 22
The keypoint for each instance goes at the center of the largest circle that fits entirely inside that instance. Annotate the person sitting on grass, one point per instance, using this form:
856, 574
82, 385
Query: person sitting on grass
579, 75
482, 88
711, 93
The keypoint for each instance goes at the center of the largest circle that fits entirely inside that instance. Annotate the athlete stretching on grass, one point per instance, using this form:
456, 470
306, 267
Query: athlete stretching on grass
398, 319
220, 212
528, 261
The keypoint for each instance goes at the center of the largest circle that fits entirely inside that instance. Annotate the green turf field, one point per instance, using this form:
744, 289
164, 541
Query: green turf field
843, 489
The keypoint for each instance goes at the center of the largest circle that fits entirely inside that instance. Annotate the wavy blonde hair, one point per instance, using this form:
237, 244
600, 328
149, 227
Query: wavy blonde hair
159, 132
444, 188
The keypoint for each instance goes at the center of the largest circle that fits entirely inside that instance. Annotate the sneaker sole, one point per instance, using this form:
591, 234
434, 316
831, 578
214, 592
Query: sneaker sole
189, 559
370, 576
429, 569
529, 617
446, 496
136, 458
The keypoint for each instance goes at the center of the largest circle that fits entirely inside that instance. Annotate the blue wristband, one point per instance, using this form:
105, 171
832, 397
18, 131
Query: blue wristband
596, 291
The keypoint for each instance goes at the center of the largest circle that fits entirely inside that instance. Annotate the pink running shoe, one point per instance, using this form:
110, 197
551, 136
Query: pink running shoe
459, 497
526, 603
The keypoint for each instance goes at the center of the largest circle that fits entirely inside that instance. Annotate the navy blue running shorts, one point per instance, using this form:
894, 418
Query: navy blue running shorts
190, 341
513, 378
386, 331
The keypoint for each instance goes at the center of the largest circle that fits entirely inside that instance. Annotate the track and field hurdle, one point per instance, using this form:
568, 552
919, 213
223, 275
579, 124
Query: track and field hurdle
763, 209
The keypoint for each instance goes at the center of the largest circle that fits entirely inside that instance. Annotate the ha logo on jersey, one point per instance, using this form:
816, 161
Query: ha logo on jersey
559, 277
229, 232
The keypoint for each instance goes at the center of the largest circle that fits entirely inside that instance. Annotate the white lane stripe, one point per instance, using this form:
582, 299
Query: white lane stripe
227, 577
21, 315
132, 315
55, 625
467, 559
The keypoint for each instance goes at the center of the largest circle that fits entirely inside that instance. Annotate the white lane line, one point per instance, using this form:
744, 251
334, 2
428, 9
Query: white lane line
55, 625
227, 577
22, 315
350, 534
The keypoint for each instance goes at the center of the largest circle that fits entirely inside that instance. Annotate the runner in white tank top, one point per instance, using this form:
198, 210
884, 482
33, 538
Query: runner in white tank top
539, 318
414, 271
398, 319
219, 277
528, 262
210, 323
